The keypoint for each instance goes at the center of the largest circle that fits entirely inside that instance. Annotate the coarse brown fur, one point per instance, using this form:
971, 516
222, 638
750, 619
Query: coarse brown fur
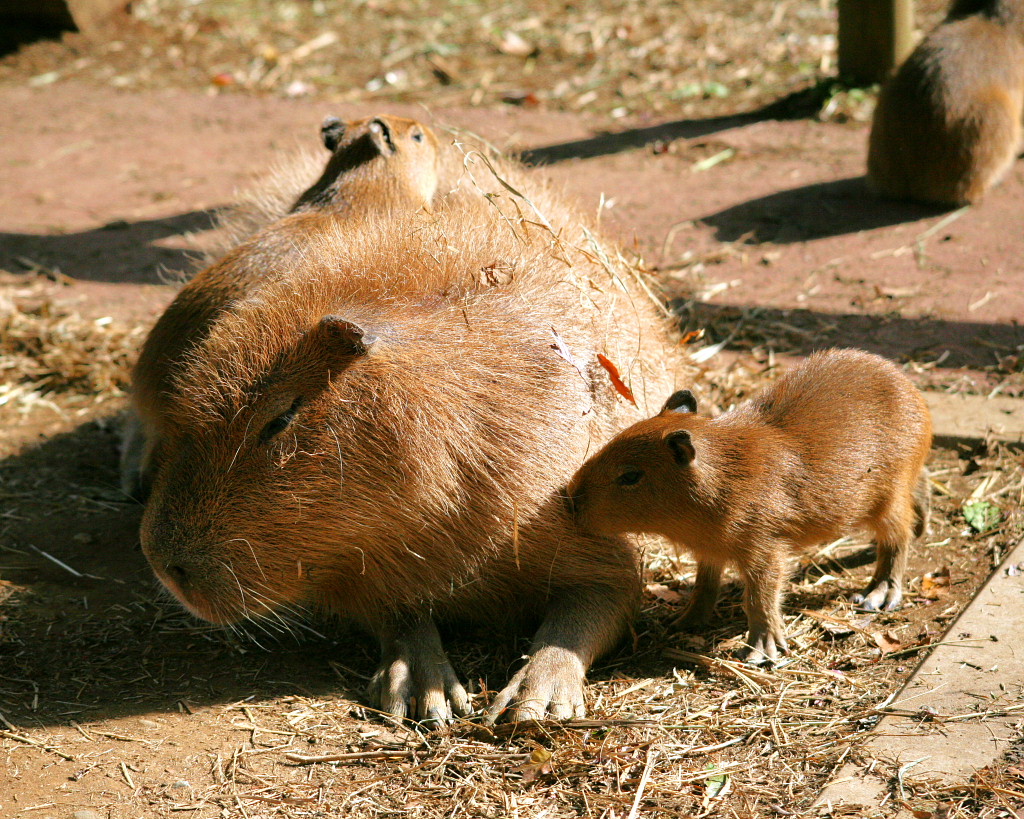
379, 165
379, 425
836, 445
948, 123
386, 162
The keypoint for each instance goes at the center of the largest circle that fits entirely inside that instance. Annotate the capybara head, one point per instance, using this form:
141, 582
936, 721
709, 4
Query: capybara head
640, 480
237, 486
390, 159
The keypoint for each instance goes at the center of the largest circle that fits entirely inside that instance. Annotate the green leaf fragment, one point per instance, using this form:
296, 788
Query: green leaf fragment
981, 515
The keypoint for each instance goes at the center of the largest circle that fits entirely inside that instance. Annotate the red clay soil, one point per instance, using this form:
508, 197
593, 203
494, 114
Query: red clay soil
102, 185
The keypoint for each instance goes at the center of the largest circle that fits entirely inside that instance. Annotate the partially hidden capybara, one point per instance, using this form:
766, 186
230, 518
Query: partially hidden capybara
372, 414
836, 445
375, 161
948, 123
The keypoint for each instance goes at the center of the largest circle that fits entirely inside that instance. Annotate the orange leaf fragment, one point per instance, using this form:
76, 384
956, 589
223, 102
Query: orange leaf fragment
692, 336
617, 382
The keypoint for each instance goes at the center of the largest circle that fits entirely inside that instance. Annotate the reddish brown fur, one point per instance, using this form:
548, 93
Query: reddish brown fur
419, 476
377, 167
948, 123
836, 445
384, 162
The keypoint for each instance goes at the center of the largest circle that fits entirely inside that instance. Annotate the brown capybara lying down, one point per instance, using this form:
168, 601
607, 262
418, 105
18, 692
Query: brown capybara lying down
948, 123
836, 445
371, 413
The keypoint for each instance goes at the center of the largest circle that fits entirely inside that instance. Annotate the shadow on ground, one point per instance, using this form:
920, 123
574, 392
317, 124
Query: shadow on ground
94, 638
814, 211
117, 252
801, 332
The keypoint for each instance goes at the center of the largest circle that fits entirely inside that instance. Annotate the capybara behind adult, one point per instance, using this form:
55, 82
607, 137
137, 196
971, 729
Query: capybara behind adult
836, 445
948, 123
381, 427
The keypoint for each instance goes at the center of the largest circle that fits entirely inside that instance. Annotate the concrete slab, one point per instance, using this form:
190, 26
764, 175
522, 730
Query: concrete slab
976, 416
960, 710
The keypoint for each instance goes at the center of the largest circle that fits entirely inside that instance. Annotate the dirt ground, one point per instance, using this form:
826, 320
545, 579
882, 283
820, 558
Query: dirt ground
113, 700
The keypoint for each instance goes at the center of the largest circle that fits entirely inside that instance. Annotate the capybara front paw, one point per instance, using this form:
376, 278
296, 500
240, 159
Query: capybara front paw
421, 688
885, 595
549, 686
764, 647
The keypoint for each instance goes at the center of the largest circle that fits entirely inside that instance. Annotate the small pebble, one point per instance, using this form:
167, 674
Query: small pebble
180, 785
86, 814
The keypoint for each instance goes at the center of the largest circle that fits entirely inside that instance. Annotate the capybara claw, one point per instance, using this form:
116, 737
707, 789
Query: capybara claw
764, 648
424, 689
885, 595
549, 686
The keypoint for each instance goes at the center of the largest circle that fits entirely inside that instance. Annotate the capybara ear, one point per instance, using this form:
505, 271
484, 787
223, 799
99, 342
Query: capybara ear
681, 401
681, 446
332, 132
343, 336
380, 135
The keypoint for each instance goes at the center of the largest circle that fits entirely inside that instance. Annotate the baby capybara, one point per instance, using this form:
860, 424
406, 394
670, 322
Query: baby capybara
836, 445
378, 427
379, 161
948, 123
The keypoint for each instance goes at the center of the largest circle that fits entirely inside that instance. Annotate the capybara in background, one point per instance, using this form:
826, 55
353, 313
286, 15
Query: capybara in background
378, 165
948, 123
836, 445
380, 425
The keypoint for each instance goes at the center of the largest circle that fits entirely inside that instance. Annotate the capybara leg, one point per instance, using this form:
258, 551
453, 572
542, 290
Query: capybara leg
893, 535
577, 629
766, 639
415, 679
702, 602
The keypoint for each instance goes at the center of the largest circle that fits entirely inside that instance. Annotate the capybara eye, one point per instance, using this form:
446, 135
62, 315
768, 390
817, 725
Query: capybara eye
417, 136
630, 478
281, 423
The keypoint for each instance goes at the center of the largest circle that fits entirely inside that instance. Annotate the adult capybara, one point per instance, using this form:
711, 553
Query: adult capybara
836, 445
380, 425
948, 123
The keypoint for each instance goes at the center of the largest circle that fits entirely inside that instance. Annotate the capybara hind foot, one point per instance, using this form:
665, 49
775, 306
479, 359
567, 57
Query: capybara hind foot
764, 647
694, 618
881, 595
415, 679
549, 686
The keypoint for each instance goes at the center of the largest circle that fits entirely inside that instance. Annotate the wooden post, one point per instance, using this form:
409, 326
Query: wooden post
84, 15
875, 36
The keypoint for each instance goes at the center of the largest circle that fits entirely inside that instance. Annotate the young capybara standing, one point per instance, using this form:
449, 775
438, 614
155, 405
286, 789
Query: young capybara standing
836, 445
380, 429
948, 123
378, 166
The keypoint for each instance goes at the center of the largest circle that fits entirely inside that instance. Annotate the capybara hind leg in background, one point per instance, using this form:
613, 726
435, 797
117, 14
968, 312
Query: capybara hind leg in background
837, 445
373, 415
948, 123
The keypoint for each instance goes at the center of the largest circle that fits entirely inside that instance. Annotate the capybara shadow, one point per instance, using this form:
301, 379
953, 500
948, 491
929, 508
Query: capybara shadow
814, 211
116, 252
